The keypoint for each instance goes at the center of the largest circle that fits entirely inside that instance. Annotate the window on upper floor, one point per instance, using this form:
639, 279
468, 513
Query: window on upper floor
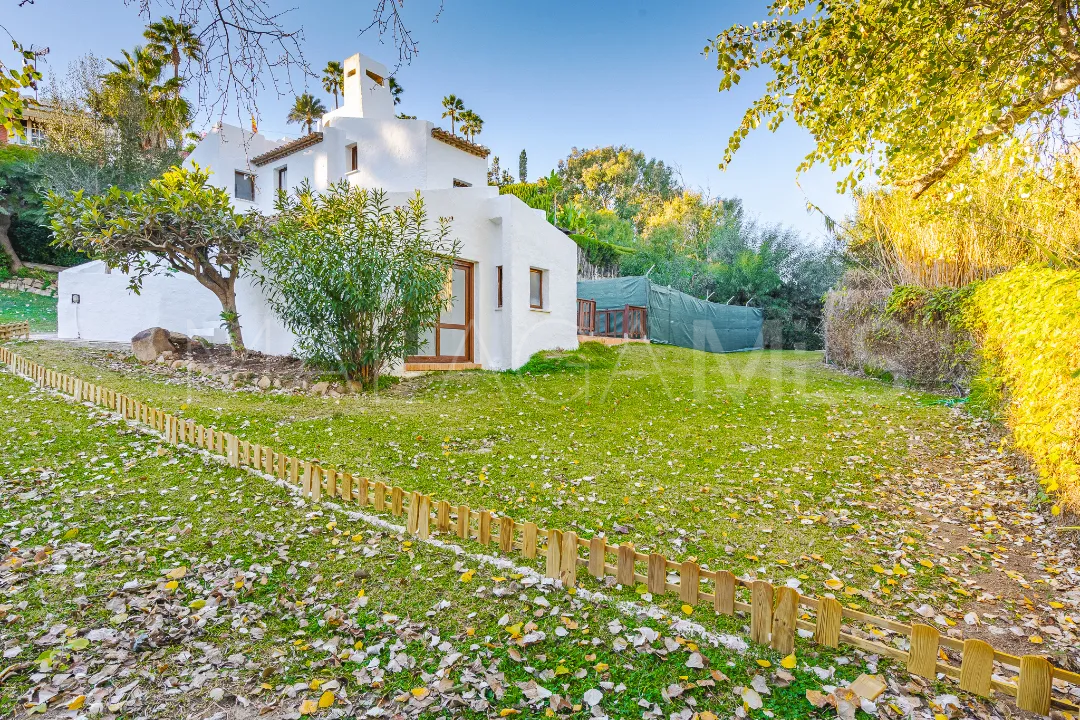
244, 186
281, 178
536, 288
352, 157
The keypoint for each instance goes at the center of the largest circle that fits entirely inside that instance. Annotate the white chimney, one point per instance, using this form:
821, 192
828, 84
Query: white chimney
367, 89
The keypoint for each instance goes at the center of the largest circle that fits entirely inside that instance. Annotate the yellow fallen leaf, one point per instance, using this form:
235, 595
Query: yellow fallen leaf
315, 684
789, 662
507, 712
1055, 510
309, 707
1056, 605
688, 609
172, 585
879, 570
834, 584
419, 692
176, 573
1035, 639
77, 703
763, 663
926, 564
75, 531
562, 670
466, 576
197, 604
327, 699
600, 666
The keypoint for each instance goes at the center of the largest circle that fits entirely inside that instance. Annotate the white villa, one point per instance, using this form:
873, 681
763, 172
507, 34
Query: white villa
514, 283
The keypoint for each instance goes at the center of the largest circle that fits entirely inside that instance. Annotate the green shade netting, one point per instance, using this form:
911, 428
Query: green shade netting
675, 318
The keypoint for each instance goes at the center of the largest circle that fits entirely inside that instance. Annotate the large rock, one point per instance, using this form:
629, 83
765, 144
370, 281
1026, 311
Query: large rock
150, 343
181, 341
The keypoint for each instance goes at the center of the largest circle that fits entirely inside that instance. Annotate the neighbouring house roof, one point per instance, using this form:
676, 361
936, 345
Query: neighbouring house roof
287, 149
460, 143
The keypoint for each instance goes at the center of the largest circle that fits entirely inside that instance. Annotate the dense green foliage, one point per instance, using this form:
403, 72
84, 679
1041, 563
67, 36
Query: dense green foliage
1028, 323
13, 80
177, 223
629, 215
355, 279
906, 90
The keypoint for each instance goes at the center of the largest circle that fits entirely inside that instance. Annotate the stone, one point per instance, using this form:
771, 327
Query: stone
167, 357
320, 387
150, 343
264, 382
178, 364
179, 340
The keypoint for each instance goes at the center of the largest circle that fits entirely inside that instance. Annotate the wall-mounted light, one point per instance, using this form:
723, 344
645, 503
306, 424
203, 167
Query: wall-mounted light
75, 299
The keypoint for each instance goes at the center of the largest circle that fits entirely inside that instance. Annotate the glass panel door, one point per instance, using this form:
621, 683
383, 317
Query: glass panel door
451, 340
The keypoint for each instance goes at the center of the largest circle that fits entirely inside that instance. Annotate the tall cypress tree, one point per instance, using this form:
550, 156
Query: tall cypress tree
523, 167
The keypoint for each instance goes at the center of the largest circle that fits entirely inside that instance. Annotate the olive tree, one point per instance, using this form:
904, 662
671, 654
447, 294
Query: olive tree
177, 223
354, 278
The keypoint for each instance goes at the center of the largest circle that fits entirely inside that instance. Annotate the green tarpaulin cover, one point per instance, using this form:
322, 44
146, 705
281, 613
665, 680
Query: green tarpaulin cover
675, 318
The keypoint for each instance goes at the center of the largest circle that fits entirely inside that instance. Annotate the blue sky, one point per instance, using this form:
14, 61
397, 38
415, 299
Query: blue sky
544, 76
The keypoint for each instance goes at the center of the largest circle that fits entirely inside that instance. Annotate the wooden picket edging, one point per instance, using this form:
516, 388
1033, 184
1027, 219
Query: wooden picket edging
776, 613
13, 330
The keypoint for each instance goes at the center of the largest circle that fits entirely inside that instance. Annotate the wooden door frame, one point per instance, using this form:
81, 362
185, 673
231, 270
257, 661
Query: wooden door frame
469, 269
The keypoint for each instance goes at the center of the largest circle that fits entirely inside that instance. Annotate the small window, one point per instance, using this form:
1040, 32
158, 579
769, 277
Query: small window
498, 281
536, 288
377, 78
353, 157
282, 178
245, 186
461, 183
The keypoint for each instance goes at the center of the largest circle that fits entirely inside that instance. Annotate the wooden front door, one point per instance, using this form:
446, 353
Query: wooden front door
451, 340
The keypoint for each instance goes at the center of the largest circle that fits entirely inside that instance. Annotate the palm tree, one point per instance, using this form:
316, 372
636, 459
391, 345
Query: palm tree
333, 79
165, 114
453, 107
306, 110
396, 90
172, 41
471, 124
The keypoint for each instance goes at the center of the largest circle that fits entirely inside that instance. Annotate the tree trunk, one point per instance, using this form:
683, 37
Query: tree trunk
5, 242
232, 318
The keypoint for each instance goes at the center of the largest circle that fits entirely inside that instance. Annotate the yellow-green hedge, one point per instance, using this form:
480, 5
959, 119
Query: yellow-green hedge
1028, 322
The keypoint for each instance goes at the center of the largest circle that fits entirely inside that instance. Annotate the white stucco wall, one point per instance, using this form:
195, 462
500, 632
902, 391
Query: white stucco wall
493, 230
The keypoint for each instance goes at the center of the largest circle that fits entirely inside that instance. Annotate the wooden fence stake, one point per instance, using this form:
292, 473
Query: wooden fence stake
413, 520
233, 450
976, 667
1033, 688
597, 551
397, 495
724, 593
464, 520
657, 573
506, 535
305, 480
689, 582
347, 487
380, 495
294, 471
568, 559
483, 530
364, 489
423, 525
554, 552
331, 482
316, 482
528, 540
922, 657
761, 605
624, 574
784, 615
829, 615
442, 519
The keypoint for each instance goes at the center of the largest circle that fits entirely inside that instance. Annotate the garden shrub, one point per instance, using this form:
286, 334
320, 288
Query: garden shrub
1028, 323
903, 333
588, 356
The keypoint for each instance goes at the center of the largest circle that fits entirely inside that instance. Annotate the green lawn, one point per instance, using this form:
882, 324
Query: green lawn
17, 306
762, 463
163, 568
